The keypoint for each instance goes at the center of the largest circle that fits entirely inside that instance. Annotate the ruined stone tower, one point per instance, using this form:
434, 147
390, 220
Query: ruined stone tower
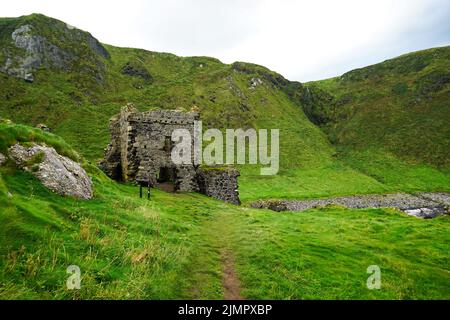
140, 151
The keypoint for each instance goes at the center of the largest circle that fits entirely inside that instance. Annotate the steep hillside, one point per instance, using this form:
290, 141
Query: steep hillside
229, 96
401, 106
55, 74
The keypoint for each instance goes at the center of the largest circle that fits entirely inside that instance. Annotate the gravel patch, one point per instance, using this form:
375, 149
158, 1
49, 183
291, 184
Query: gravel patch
421, 205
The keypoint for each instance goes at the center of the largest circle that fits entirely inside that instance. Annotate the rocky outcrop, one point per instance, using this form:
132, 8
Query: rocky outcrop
425, 213
421, 205
58, 173
254, 82
134, 69
94, 44
37, 51
41, 42
249, 68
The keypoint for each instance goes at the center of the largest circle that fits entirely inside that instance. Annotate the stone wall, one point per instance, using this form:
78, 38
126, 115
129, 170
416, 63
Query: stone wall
152, 132
140, 151
141, 146
111, 165
220, 183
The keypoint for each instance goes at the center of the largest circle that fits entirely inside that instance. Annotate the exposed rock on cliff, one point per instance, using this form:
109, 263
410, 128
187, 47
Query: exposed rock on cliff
36, 41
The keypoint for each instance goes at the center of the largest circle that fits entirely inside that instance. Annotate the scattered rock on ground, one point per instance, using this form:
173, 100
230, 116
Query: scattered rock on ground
422, 205
31, 49
38, 51
426, 213
254, 82
58, 173
439, 197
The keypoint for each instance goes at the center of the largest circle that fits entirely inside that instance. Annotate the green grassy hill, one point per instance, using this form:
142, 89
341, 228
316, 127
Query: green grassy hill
76, 99
400, 106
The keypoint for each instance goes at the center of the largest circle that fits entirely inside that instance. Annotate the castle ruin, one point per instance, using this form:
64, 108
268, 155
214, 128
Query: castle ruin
140, 151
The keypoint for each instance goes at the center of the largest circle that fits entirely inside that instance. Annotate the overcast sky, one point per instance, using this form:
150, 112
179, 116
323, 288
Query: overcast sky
303, 40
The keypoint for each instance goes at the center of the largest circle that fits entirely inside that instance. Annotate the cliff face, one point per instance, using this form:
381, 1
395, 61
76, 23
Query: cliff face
33, 42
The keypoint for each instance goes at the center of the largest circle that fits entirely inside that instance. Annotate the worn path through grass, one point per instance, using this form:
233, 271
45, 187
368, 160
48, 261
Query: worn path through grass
216, 254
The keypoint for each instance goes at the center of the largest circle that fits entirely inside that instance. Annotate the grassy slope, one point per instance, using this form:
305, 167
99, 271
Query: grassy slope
127, 247
400, 107
79, 110
171, 246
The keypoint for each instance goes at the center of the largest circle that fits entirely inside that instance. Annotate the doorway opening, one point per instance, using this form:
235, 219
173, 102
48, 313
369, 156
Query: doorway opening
167, 179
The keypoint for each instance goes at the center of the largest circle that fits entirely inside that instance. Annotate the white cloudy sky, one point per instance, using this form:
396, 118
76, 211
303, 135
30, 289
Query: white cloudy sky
303, 40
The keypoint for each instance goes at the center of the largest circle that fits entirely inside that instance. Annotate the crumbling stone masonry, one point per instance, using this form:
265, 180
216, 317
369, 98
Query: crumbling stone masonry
140, 151
219, 183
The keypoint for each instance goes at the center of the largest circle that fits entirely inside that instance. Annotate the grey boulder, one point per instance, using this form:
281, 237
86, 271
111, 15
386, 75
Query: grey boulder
58, 173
